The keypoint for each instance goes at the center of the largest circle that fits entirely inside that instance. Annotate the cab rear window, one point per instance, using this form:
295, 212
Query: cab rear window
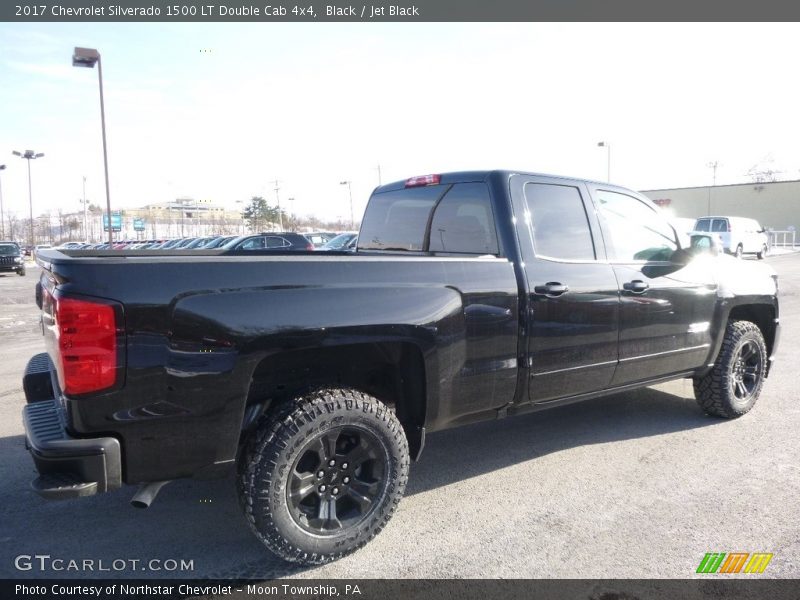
447, 219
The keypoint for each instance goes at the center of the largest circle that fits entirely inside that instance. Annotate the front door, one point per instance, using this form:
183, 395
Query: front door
666, 308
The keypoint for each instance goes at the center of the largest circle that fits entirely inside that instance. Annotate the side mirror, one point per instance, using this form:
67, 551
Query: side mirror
703, 243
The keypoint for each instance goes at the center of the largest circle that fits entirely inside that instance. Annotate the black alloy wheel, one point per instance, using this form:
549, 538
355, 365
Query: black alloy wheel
746, 371
734, 383
337, 479
323, 474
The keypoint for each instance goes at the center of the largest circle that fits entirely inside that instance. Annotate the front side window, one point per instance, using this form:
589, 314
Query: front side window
558, 222
252, 244
637, 232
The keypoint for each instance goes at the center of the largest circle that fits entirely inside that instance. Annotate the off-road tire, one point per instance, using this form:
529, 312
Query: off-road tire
269, 462
716, 392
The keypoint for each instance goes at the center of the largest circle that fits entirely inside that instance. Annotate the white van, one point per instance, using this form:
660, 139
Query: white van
739, 235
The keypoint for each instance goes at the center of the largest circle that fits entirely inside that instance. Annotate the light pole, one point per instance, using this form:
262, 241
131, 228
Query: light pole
713, 166
85, 222
29, 155
2, 218
607, 146
293, 220
87, 57
350, 190
278, 199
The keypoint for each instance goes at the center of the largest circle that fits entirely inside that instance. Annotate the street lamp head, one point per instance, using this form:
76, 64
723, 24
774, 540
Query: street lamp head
2, 167
29, 154
601, 144
85, 57
344, 183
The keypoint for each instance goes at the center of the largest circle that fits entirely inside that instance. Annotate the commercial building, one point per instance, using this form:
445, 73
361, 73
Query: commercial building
775, 204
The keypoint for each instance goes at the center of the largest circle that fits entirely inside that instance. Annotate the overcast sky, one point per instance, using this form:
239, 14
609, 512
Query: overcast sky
218, 111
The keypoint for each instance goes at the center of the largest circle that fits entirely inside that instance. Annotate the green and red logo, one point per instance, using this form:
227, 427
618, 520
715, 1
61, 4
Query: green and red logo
734, 562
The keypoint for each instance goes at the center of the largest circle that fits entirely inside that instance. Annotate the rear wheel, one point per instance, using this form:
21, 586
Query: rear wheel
324, 475
739, 251
761, 255
733, 385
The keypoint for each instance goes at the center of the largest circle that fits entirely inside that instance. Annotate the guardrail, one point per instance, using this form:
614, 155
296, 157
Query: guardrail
782, 239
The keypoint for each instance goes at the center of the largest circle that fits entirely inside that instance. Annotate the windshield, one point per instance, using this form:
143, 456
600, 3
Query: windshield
8, 249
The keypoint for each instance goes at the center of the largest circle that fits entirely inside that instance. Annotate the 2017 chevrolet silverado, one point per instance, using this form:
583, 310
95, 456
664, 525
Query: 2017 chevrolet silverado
316, 376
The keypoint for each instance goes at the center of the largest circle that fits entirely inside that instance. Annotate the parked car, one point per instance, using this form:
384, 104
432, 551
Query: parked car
285, 241
319, 238
11, 258
315, 378
39, 247
218, 242
343, 241
739, 235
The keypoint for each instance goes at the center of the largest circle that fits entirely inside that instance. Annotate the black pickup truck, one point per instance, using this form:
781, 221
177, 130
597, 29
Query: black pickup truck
314, 377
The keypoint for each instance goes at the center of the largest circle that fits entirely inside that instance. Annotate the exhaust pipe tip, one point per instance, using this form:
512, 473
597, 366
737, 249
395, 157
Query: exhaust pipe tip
147, 492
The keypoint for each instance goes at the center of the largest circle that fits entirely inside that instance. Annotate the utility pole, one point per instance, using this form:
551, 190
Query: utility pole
379, 175
278, 199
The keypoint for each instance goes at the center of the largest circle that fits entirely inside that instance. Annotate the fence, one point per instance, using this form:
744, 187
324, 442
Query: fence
782, 239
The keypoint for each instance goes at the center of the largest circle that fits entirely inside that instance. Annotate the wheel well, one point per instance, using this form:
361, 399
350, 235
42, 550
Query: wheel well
762, 315
393, 372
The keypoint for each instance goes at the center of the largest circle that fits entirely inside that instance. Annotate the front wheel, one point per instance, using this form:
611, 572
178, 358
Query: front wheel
733, 385
739, 251
763, 254
324, 475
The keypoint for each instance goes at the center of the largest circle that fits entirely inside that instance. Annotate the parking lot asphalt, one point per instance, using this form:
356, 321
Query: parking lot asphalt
636, 485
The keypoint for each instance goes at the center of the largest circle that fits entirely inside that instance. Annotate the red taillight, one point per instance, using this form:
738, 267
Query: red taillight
423, 180
86, 334
729, 226
310, 246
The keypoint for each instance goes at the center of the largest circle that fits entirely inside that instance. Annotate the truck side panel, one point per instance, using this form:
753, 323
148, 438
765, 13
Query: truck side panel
191, 355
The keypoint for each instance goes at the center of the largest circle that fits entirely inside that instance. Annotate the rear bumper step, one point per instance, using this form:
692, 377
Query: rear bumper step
69, 467
37, 381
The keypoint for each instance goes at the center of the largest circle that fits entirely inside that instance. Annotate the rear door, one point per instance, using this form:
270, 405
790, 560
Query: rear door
573, 300
666, 308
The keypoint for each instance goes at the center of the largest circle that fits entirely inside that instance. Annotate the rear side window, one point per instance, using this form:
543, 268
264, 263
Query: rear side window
464, 222
702, 225
559, 226
274, 241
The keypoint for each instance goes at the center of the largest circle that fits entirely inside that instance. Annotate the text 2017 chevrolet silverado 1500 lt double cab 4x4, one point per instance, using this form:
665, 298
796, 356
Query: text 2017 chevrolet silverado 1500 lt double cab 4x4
315, 377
